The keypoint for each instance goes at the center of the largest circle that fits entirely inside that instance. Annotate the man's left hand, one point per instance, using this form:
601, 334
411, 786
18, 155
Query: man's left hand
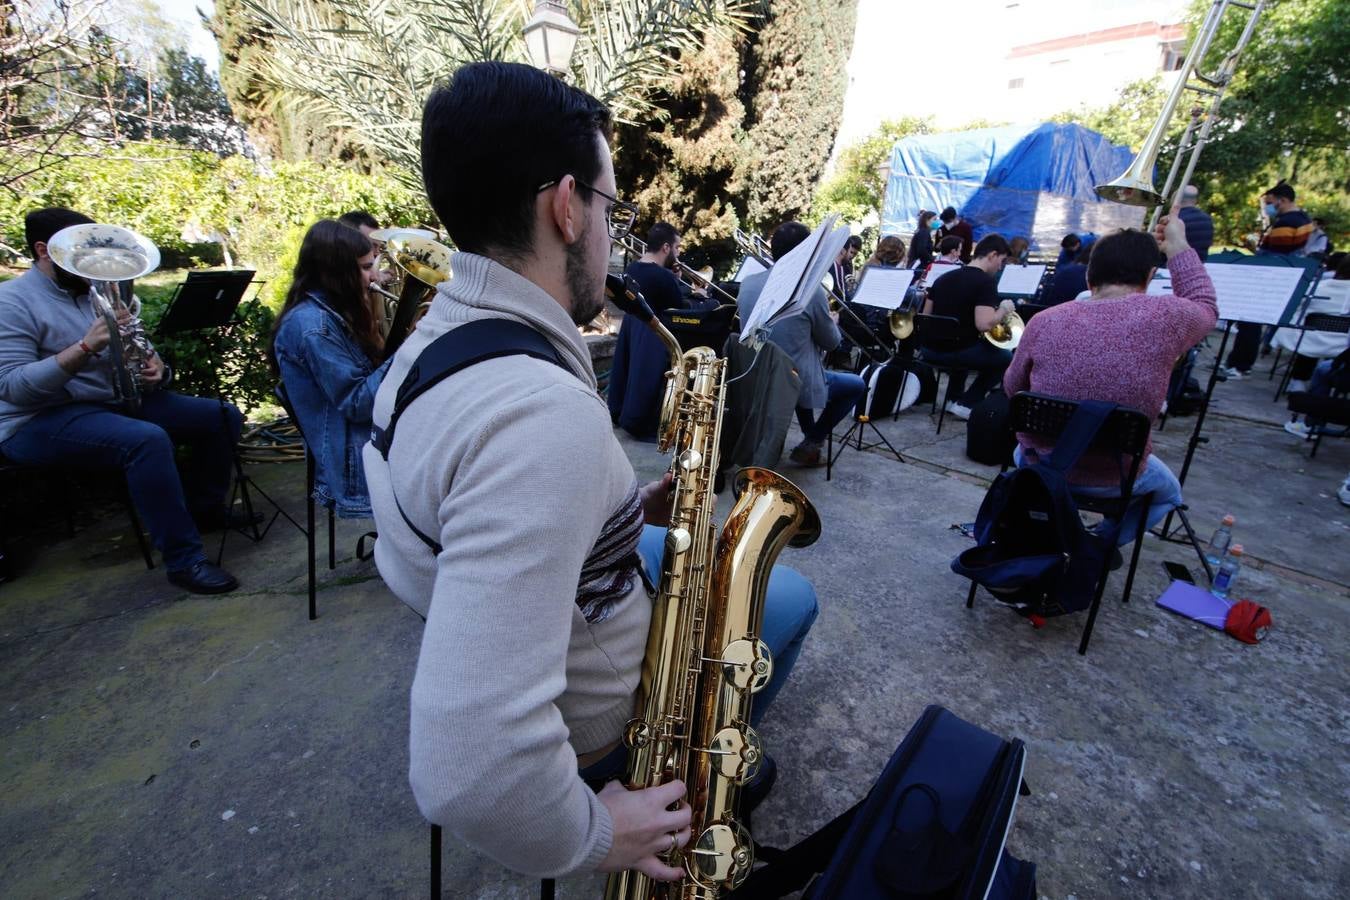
656, 501
152, 371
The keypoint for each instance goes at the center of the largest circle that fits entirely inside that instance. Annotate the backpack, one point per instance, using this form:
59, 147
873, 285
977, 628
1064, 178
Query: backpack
989, 440
933, 826
1032, 550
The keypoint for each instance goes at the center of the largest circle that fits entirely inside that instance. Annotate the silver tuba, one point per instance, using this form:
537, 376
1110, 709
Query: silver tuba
105, 256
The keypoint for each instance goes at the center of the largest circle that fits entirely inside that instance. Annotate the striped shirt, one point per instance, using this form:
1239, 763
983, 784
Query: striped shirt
610, 568
1288, 233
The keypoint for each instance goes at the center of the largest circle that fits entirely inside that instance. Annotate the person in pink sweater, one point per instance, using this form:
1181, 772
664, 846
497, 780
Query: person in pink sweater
1119, 346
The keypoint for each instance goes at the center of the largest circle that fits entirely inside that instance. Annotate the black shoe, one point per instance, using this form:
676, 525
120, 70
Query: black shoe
754, 793
221, 518
204, 577
1116, 560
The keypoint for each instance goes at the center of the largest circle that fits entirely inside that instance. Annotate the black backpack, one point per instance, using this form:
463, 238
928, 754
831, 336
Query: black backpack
885, 394
1032, 551
989, 440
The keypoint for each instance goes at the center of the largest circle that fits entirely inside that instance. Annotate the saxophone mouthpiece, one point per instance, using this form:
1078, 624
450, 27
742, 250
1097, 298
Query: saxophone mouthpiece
623, 291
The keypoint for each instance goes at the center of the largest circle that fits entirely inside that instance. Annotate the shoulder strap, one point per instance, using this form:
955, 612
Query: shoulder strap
454, 351
1078, 434
467, 345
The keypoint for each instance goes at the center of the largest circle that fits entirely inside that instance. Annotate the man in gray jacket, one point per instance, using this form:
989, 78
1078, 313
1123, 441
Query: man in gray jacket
536, 618
805, 336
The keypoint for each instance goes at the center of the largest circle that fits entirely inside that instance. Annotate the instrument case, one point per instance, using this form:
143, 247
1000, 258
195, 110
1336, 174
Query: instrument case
933, 825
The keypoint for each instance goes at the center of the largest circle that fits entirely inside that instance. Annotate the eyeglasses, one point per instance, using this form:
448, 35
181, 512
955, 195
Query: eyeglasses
620, 215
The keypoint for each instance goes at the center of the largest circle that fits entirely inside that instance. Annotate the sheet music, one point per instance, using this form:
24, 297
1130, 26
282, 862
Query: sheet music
882, 287
1253, 293
938, 269
1020, 281
749, 266
1247, 293
794, 279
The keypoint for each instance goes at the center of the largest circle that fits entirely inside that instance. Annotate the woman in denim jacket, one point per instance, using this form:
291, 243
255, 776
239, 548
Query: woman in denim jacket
325, 346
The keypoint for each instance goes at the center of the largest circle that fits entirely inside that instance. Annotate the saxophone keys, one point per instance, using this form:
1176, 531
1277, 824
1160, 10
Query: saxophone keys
737, 753
723, 855
690, 460
747, 664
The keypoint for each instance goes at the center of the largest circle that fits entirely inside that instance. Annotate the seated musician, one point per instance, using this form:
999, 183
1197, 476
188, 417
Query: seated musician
1069, 281
970, 295
367, 224
1119, 346
949, 250
637, 377
536, 617
804, 336
57, 409
326, 347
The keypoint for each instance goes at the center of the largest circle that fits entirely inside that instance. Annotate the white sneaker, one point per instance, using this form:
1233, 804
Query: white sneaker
1298, 429
1230, 374
1344, 493
1297, 387
956, 409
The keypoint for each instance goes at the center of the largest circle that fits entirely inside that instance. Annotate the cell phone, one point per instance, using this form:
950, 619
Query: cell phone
1178, 572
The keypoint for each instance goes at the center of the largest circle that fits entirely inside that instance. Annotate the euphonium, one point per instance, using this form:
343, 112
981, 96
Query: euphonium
704, 657
105, 256
422, 264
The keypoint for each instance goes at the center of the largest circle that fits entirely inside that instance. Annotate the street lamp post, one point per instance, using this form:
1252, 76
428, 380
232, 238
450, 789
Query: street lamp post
550, 37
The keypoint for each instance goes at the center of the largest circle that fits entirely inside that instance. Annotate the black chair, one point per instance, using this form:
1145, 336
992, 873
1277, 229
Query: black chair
309, 529
1027, 310
1312, 322
60, 478
1332, 410
1125, 433
938, 328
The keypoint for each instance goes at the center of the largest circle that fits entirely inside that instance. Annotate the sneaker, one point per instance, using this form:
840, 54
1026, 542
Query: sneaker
1344, 493
1228, 373
1298, 429
956, 409
807, 454
1298, 387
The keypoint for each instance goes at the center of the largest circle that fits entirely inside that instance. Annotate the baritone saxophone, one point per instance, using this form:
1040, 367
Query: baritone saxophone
705, 657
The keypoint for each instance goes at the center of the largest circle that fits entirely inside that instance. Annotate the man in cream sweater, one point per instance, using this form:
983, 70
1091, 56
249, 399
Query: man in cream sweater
536, 615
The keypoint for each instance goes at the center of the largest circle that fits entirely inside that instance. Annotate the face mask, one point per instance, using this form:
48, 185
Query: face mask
1272, 210
934, 224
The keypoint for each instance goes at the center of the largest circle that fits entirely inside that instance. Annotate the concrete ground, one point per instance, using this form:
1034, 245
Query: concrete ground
162, 745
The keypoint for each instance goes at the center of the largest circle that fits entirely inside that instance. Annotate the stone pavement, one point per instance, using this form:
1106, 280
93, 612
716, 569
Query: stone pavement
157, 745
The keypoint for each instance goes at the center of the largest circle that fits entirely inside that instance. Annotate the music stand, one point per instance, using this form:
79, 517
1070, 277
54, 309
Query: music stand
208, 302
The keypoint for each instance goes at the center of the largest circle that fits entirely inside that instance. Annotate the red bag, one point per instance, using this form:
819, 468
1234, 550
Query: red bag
1248, 622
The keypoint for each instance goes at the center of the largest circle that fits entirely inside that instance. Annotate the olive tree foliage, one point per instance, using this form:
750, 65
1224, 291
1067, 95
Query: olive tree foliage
365, 67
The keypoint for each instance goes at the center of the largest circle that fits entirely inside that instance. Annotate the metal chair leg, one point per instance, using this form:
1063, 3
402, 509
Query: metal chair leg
1134, 556
435, 862
309, 534
332, 541
136, 526
970, 598
547, 889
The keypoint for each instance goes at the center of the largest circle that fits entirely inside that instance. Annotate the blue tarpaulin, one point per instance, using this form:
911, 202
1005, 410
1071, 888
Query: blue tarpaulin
1035, 181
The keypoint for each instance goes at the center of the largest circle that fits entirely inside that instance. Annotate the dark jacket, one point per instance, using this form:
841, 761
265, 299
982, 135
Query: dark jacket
760, 406
1199, 230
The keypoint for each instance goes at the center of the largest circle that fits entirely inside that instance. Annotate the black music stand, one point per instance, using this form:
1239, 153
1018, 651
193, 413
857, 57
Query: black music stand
208, 302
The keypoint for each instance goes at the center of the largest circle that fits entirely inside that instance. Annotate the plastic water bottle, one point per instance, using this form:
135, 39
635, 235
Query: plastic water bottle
1218, 544
1228, 572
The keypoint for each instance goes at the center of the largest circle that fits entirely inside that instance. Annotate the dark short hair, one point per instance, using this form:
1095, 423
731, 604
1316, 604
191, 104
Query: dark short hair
1283, 190
949, 243
1070, 241
992, 243
786, 237
1123, 257
661, 233
358, 217
40, 224
853, 241
491, 136
948, 214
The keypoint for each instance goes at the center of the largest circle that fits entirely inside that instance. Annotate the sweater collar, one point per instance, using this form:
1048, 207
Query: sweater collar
482, 288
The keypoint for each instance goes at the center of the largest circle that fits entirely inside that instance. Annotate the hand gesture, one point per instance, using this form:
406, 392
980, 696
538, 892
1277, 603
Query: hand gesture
152, 371
96, 338
656, 500
645, 828
1170, 233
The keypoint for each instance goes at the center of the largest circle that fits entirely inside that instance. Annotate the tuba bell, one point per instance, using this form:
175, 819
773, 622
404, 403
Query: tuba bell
107, 256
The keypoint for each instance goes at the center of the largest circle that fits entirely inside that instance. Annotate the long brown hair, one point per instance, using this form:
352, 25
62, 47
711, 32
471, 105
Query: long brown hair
327, 265
890, 252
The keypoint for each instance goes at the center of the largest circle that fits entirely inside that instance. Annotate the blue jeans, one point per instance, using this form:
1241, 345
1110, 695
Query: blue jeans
1319, 385
88, 434
1156, 479
790, 609
844, 390
988, 361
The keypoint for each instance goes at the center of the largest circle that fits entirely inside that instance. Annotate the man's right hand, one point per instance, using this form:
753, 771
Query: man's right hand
96, 338
643, 827
1171, 234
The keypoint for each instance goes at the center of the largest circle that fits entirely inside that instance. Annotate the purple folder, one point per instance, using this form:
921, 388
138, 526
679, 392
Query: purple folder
1195, 603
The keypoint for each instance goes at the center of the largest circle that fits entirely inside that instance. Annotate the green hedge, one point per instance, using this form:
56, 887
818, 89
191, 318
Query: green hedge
202, 210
